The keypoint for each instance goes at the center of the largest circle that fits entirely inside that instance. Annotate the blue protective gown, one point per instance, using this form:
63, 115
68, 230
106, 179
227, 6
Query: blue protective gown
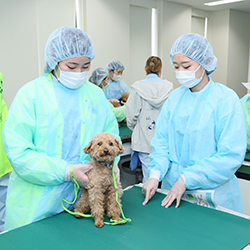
47, 128
203, 136
115, 90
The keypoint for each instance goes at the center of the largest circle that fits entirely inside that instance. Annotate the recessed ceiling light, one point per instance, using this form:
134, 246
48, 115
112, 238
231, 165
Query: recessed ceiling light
222, 2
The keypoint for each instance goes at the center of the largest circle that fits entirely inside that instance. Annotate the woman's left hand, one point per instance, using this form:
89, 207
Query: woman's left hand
175, 193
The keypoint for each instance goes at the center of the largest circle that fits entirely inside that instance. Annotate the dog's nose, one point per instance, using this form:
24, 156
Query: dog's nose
106, 151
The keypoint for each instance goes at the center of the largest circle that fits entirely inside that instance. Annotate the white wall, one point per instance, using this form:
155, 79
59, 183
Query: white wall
238, 57
108, 25
203, 14
230, 41
176, 20
51, 15
140, 41
24, 27
28, 23
18, 45
219, 24
198, 25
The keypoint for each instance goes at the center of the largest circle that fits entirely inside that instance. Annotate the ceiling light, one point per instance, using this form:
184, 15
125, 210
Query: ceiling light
222, 2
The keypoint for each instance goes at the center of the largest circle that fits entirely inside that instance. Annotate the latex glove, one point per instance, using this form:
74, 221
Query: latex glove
114, 100
149, 188
175, 193
79, 171
117, 173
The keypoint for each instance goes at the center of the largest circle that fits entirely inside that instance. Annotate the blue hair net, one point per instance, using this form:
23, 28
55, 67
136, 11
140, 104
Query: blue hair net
98, 75
115, 64
197, 48
67, 42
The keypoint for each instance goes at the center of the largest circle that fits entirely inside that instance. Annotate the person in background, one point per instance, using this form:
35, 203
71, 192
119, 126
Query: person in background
100, 78
116, 87
142, 109
50, 121
200, 139
245, 100
5, 167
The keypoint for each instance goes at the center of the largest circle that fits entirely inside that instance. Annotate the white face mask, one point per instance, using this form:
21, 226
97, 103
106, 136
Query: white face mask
72, 80
116, 77
104, 87
187, 77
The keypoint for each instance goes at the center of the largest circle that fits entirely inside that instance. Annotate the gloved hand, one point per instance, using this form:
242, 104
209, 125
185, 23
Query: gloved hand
114, 100
79, 171
175, 193
117, 173
149, 188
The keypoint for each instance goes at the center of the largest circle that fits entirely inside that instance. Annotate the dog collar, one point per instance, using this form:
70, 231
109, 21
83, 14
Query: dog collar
105, 164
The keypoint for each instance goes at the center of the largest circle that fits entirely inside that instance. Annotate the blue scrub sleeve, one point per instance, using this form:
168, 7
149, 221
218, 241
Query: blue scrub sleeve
160, 154
216, 169
231, 139
125, 88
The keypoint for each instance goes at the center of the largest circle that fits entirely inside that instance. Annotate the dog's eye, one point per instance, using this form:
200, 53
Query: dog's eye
99, 143
111, 143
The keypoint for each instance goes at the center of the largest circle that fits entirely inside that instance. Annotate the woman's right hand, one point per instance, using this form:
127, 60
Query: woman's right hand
149, 188
79, 171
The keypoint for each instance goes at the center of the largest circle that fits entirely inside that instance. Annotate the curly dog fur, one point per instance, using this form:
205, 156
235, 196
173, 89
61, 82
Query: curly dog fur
124, 97
100, 195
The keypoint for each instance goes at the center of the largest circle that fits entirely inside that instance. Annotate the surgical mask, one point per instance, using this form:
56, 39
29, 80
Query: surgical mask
72, 80
187, 77
116, 77
104, 87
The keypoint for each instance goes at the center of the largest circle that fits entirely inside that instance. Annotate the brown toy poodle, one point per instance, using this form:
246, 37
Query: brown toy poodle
123, 100
124, 97
100, 195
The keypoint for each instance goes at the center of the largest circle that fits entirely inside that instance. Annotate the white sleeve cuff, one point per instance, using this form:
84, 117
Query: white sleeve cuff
184, 178
156, 174
67, 175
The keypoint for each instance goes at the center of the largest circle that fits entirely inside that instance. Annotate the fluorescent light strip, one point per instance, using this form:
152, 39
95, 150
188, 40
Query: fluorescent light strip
222, 2
154, 34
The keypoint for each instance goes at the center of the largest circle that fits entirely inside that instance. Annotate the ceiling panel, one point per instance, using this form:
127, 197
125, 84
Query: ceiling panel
199, 4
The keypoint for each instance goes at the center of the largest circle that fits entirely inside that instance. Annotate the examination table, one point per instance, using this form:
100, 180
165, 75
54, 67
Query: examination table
189, 227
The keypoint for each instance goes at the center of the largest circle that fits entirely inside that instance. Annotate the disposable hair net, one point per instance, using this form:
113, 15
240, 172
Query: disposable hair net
67, 42
98, 75
115, 64
197, 48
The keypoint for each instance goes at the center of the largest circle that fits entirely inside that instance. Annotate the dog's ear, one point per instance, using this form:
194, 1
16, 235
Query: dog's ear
87, 149
119, 146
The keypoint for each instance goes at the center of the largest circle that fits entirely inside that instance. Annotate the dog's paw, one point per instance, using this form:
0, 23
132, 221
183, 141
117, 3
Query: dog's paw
118, 219
99, 223
77, 215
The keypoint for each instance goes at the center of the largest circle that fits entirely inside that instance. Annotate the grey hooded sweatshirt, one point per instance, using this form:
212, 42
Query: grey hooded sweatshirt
142, 109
